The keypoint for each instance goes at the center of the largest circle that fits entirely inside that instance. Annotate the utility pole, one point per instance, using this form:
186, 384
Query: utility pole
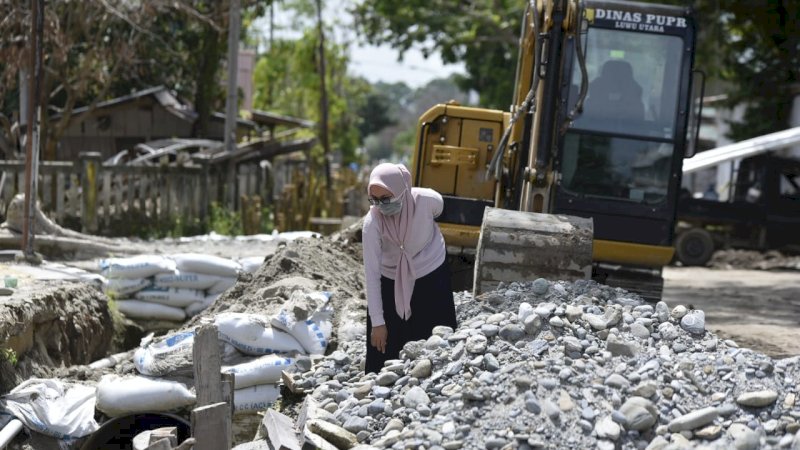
34, 113
323, 99
232, 100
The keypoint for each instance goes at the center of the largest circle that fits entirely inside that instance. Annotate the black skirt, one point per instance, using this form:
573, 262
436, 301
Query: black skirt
431, 305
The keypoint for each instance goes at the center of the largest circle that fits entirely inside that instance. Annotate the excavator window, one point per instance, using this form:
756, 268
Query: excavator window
634, 80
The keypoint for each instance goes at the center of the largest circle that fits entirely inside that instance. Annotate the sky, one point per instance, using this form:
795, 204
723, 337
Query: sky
374, 63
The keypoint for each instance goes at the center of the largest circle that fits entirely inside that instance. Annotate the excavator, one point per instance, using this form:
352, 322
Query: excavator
580, 178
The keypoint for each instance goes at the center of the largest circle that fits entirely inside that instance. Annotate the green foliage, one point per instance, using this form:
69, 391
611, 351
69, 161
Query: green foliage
224, 221
482, 34
287, 81
758, 53
9, 355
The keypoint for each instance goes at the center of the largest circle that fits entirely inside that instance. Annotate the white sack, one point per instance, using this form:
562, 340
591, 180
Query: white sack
198, 307
207, 264
176, 297
314, 332
221, 286
141, 266
253, 335
255, 398
138, 309
187, 280
118, 396
251, 264
125, 286
264, 370
163, 357
52, 407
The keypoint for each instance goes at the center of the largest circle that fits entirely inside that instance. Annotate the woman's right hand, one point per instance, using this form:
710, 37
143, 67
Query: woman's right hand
378, 338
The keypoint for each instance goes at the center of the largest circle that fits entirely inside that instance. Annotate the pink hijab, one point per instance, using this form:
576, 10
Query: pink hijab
397, 179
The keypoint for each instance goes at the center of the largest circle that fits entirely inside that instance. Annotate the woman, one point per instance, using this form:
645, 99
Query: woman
408, 280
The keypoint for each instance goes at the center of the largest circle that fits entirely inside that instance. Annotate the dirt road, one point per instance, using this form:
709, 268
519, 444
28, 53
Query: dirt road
757, 309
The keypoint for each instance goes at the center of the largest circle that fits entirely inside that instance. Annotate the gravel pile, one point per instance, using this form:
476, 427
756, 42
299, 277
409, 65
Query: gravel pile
560, 365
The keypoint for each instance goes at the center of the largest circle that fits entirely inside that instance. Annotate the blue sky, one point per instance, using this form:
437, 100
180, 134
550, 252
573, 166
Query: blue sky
371, 62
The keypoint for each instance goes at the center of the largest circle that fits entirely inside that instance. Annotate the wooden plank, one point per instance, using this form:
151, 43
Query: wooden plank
106, 198
207, 365
280, 431
289, 382
60, 185
228, 388
170, 434
131, 184
161, 444
211, 426
168, 193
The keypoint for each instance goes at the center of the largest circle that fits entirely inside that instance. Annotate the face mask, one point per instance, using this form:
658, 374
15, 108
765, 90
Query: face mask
392, 208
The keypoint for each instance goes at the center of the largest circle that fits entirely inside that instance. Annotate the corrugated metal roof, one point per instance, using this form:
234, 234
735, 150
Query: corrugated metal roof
743, 149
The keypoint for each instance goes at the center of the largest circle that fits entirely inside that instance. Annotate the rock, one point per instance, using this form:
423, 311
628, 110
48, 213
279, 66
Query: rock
442, 331
565, 402
678, 312
415, 397
667, 331
757, 399
694, 419
422, 369
532, 325
618, 347
512, 333
617, 381
477, 344
334, 434
709, 433
525, 310
743, 437
640, 413
646, 389
393, 424
595, 321
572, 345
362, 390
356, 424
387, 378
658, 443
639, 330
694, 322
540, 286
662, 312
606, 428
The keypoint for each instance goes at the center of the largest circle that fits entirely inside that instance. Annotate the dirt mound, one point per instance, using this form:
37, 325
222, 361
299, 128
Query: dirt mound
754, 260
50, 326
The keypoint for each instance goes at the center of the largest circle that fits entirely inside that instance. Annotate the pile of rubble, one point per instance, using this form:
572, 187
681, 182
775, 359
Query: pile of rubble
754, 260
561, 365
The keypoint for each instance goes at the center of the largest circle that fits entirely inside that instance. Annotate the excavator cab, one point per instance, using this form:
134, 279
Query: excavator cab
598, 130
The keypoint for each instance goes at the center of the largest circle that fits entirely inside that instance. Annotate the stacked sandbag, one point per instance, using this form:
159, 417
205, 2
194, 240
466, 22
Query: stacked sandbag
255, 348
168, 287
127, 277
209, 275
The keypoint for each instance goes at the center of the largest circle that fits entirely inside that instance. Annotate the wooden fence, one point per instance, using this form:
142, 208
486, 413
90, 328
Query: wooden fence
101, 195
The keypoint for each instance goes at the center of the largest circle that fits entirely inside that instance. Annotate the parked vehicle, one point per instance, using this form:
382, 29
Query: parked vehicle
763, 213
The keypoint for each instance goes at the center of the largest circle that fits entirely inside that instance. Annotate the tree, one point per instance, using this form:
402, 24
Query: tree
482, 34
288, 70
103, 49
757, 51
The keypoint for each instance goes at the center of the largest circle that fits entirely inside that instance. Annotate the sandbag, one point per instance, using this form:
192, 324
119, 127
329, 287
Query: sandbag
264, 370
312, 332
141, 266
186, 280
251, 264
255, 398
125, 286
165, 356
52, 407
252, 335
117, 396
137, 309
221, 286
207, 264
198, 307
176, 297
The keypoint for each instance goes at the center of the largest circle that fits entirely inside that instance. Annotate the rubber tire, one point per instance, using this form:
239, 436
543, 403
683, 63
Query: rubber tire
694, 247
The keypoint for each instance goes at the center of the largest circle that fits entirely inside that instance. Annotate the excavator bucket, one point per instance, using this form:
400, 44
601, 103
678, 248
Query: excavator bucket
524, 246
